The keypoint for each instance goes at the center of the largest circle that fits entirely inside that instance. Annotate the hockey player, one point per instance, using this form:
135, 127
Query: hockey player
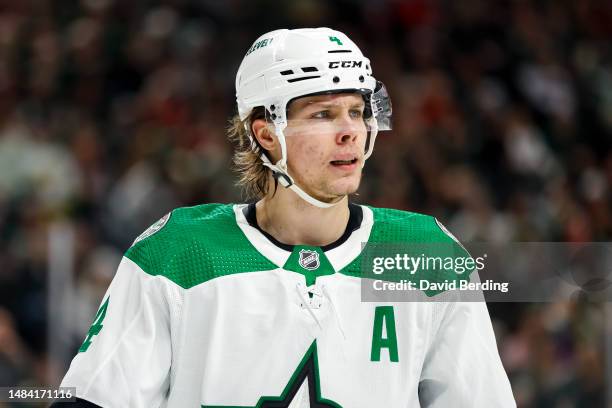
259, 305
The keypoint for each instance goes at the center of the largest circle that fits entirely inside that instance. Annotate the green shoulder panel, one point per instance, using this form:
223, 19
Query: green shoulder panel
418, 235
193, 245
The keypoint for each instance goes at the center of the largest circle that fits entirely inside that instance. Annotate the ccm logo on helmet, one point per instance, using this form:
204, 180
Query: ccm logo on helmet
345, 64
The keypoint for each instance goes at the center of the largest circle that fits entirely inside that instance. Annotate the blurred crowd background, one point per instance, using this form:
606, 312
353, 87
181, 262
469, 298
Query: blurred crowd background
114, 112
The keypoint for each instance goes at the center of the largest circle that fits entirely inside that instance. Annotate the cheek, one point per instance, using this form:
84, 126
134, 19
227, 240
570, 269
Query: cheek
306, 154
363, 137
313, 152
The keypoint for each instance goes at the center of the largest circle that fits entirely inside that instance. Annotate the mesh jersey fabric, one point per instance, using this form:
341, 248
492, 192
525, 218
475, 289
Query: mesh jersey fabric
201, 314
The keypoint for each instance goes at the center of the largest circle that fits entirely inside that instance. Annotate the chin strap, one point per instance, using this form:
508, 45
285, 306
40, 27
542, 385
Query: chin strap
281, 173
284, 179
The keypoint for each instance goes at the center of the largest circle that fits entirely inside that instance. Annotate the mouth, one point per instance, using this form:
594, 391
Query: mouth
346, 164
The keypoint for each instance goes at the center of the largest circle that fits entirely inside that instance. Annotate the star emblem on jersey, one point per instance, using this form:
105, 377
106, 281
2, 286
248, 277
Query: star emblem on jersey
307, 373
309, 259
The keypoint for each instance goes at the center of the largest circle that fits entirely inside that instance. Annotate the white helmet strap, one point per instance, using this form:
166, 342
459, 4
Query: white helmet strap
281, 173
285, 180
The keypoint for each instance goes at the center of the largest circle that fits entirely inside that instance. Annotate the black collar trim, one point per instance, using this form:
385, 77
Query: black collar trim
354, 222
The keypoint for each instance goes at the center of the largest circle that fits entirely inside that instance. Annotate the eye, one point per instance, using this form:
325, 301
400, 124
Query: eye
324, 114
356, 113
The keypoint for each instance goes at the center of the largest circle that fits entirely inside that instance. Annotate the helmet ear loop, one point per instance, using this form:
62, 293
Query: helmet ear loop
372, 126
280, 134
371, 138
279, 176
256, 146
279, 169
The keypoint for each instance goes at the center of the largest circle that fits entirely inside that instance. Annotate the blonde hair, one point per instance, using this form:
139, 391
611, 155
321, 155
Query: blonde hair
254, 177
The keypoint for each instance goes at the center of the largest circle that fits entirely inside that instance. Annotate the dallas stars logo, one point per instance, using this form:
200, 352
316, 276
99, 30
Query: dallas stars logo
307, 370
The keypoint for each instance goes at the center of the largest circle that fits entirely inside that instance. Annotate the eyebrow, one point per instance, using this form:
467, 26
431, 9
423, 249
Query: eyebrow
326, 104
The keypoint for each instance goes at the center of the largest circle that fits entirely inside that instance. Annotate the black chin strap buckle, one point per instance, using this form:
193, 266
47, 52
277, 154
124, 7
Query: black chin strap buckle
282, 178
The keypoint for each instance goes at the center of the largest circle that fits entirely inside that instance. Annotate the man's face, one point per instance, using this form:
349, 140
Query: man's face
326, 138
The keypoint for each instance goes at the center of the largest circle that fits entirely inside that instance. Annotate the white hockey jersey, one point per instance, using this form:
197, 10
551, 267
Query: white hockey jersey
206, 310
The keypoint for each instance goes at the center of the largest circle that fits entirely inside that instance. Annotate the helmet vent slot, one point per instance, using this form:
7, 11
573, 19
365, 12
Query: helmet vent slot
338, 51
287, 72
303, 78
309, 69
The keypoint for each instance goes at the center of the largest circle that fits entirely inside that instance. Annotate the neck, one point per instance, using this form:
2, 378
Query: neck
293, 221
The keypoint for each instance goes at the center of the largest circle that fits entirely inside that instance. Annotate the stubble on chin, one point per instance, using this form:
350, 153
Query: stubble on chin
343, 187
327, 187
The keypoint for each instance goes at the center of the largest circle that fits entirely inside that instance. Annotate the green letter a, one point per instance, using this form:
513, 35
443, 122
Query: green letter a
384, 316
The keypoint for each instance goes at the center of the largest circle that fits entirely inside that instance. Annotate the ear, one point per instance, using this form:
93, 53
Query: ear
266, 139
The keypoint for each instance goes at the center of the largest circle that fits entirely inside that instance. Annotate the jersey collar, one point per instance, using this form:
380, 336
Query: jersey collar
340, 253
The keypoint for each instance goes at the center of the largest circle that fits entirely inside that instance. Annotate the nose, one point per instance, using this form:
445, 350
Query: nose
347, 129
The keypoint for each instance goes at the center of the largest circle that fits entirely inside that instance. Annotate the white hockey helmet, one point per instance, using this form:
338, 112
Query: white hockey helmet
286, 64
